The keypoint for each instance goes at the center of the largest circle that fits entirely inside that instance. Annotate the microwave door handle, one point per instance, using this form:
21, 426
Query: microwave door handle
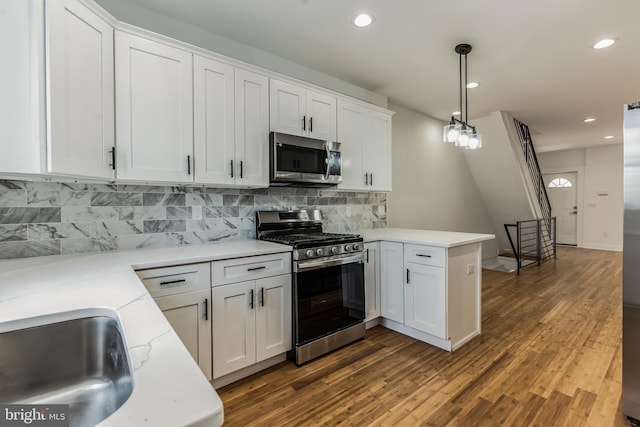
327, 161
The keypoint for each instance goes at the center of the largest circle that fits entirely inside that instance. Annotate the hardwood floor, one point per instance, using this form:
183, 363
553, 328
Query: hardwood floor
549, 355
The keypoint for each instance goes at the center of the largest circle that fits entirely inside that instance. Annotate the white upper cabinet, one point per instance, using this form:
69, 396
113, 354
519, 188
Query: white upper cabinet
295, 110
231, 124
57, 108
252, 129
21, 80
365, 135
154, 110
80, 91
214, 131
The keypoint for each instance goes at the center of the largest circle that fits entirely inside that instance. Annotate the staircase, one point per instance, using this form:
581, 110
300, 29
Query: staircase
508, 178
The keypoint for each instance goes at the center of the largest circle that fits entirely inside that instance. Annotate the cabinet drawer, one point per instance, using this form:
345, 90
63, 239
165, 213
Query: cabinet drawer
177, 279
249, 268
426, 255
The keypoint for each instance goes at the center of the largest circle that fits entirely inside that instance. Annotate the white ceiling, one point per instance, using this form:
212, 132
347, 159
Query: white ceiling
533, 59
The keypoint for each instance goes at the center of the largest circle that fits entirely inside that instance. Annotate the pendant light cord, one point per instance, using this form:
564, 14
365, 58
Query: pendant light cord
460, 74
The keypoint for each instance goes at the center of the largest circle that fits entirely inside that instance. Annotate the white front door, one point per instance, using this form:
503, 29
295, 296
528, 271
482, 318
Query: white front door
563, 195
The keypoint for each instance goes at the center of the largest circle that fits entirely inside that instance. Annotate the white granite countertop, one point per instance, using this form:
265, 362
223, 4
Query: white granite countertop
444, 239
169, 388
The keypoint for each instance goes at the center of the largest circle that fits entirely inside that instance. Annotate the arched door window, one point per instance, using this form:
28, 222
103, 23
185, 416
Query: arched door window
560, 183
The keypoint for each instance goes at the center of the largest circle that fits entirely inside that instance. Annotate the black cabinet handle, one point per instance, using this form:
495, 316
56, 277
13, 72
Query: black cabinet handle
408, 277
241, 168
371, 179
310, 124
424, 256
231, 168
367, 251
206, 309
188, 165
262, 297
251, 298
171, 282
262, 267
366, 179
304, 122
113, 158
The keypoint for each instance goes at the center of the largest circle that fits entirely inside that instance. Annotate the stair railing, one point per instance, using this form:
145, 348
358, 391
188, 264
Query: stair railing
535, 240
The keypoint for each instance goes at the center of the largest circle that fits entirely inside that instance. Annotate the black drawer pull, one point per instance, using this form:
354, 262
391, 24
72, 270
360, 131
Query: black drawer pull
424, 256
171, 282
262, 267
251, 300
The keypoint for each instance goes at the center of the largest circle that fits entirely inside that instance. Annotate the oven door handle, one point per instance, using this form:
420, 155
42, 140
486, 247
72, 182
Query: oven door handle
299, 267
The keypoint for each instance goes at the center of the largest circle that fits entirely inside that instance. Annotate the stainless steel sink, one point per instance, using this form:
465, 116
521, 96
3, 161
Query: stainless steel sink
81, 362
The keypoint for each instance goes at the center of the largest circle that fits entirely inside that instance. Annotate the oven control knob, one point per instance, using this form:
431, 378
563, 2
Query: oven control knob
347, 247
355, 247
320, 252
335, 250
309, 253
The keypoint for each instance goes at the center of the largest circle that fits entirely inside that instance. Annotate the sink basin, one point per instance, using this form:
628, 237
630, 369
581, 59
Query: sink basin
81, 362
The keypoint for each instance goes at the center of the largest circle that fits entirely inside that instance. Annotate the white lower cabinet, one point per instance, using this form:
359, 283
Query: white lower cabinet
190, 316
251, 322
425, 299
431, 293
372, 280
391, 281
183, 294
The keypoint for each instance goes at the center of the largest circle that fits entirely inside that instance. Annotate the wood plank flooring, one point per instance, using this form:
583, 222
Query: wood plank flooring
549, 355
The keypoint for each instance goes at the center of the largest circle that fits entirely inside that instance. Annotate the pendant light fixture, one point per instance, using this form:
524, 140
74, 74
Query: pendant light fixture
458, 131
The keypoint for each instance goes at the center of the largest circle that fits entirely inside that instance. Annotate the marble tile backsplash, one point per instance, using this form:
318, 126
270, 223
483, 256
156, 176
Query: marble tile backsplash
52, 218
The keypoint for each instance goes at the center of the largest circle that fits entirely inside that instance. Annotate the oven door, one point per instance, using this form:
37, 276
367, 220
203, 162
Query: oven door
328, 297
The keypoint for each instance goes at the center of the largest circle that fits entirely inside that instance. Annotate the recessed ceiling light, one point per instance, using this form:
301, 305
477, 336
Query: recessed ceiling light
589, 119
604, 43
608, 137
472, 85
363, 20
455, 113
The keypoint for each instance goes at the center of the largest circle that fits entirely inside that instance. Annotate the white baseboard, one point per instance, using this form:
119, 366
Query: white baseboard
616, 248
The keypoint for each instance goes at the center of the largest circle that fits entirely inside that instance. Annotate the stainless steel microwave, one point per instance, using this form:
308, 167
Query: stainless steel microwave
297, 160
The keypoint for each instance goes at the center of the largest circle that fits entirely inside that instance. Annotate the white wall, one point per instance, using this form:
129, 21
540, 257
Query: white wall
601, 200
604, 198
432, 185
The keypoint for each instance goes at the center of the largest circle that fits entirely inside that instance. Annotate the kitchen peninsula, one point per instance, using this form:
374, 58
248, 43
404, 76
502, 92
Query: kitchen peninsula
428, 284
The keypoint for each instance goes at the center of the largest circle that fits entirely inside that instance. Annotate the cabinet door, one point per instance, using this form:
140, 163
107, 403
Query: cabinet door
372, 280
213, 121
273, 316
154, 109
189, 314
21, 79
80, 91
287, 106
425, 299
352, 121
252, 129
321, 116
377, 151
392, 281
234, 327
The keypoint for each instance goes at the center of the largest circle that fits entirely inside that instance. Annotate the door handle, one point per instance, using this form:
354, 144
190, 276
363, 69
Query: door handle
231, 168
251, 299
113, 158
240, 169
310, 124
188, 165
304, 123
262, 297
408, 276
206, 309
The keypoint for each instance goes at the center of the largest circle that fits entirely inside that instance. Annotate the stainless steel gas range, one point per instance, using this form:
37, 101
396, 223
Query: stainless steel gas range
328, 281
